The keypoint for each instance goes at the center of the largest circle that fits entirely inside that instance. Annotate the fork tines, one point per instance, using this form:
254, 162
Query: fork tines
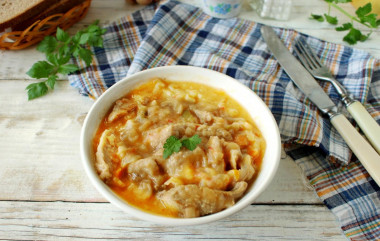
307, 56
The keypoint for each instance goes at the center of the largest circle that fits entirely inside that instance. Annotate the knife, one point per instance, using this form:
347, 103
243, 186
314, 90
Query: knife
312, 90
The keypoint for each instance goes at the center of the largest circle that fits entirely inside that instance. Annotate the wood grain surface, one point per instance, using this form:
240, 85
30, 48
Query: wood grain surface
68, 220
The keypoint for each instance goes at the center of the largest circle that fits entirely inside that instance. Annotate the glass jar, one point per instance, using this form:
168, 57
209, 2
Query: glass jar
274, 9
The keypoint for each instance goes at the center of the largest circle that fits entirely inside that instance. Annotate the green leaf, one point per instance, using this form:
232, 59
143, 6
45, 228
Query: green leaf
93, 40
364, 37
362, 11
51, 81
331, 20
86, 55
344, 27
319, 18
192, 142
64, 50
370, 18
52, 58
63, 59
99, 43
377, 22
67, 69
76, 37
41, 69
172, 144
47, 45
62, 35
75, 50
84, 38
353, 36
93, 28
36, 90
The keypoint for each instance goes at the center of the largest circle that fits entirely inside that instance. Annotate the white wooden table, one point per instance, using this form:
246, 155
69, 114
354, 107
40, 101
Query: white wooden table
45, 194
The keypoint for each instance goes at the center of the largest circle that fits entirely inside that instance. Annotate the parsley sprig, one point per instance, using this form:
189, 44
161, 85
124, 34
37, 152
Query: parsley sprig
363, 16
173, 144
58, 51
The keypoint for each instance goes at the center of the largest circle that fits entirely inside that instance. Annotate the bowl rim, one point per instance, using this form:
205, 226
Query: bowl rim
107, 193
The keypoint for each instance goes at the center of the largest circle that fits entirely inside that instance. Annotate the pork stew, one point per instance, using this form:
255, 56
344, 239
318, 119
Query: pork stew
130, 145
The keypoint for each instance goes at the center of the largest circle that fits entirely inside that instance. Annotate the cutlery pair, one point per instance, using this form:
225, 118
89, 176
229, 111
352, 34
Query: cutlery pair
309, 86
319, 71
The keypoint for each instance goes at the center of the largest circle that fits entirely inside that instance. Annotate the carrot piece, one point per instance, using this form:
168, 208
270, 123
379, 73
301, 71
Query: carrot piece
242, 140
118, 172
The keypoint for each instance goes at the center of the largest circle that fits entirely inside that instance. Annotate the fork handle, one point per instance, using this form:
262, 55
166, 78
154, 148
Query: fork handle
368, 125
362, 149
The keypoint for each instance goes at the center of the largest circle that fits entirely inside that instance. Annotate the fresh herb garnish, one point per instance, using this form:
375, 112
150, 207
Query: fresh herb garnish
173, 144
363, 16
58, 51
192, 142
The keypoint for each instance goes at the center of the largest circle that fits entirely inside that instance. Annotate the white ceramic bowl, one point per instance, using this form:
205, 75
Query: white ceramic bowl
246, 97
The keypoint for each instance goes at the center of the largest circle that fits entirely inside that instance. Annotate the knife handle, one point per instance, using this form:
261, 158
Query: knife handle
367, 124
362, 149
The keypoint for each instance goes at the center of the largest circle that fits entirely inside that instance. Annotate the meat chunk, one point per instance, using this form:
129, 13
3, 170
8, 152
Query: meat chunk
233, 153
157, 137
214, 130
193, 201
215, 157
246, 170
130, 131
128, 158
238, 190
122, 107
146, 169
182, 164
203, 116
217, 182
142, 189
104, 163
174, 105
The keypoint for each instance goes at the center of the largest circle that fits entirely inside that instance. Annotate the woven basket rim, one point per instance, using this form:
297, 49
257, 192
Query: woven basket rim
37, 31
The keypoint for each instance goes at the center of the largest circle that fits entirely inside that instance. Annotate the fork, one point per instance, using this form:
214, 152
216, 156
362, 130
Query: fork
319, 71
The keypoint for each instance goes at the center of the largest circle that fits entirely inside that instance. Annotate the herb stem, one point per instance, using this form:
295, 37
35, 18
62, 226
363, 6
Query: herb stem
347, 14
329, 10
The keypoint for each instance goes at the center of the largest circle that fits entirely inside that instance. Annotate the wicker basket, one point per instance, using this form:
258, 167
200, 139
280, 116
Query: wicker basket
41, 28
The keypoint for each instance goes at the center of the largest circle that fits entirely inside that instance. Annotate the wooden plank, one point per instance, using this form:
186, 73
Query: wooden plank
39, 150
64, 220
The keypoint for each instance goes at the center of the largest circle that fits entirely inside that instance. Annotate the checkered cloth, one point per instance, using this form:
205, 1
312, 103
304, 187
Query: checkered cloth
175, 33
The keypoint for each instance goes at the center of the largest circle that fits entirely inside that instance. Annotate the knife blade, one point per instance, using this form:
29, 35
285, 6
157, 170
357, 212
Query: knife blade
313, 91
300, 76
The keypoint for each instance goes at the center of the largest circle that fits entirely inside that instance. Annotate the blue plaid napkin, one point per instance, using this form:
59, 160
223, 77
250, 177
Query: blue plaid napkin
175, 33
